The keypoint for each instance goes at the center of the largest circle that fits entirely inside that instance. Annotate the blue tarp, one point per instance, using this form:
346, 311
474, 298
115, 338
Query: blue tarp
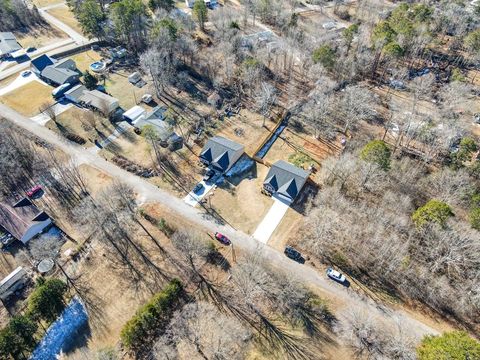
63, 332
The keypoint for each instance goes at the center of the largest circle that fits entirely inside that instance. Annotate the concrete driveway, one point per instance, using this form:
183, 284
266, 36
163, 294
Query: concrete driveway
193, 199
270, 222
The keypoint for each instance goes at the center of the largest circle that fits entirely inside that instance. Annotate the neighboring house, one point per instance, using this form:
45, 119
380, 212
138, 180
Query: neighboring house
100, 101
13, 282
166, 135
23, 220
93, 99
220, 153
134, 113
75, 93
55, 72
285, 180
8, 44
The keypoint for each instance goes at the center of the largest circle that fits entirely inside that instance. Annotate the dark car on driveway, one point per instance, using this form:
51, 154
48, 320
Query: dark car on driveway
222, 238
197, 188
293, 254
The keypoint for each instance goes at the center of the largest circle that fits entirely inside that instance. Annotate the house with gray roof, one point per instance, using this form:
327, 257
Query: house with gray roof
285, 180
75, 93
100, 101
220, 153
8, 44
23, 220
55, 72
156, 119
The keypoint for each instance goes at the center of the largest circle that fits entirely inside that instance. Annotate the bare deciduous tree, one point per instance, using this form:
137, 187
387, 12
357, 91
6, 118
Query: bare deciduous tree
200, 331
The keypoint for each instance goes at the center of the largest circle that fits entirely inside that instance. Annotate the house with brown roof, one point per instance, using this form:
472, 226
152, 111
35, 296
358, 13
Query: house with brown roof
23, 220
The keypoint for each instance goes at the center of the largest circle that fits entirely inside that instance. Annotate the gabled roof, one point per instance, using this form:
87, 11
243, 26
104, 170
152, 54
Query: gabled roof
207, 155
98, 99
65, 64
18, 218
220, 151
58, 75
156, 118
41, 62
8, 43
76, 92
286, 179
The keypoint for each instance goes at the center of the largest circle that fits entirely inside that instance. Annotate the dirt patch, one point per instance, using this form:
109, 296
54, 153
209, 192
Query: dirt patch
245, 128
243, 206
28, 98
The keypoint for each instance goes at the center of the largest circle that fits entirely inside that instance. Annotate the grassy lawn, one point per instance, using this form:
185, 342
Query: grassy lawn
131, 146
28, 98
84, 59
243, 206
40, 37
84, 123
118, 86
64, 14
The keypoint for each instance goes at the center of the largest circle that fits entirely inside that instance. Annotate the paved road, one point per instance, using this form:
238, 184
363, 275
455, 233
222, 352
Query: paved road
150, 193
77, 37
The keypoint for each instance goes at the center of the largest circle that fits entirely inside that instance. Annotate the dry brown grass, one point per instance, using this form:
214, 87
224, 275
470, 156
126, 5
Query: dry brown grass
64, 14
40, 37
84, 59
28, 98
127, 94
76, 120
43, 3
249, 125
243, 206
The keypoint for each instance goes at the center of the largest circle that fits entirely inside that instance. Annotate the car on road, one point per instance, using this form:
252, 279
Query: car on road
197, 188
34, 190
208, 174
335, 275
26, 73
222, 238
293, 254
31, 49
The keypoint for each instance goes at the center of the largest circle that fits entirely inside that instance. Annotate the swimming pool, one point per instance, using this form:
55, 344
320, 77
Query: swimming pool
98, 66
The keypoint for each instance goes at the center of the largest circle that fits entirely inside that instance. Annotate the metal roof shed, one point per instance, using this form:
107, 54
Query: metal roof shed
134, 114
